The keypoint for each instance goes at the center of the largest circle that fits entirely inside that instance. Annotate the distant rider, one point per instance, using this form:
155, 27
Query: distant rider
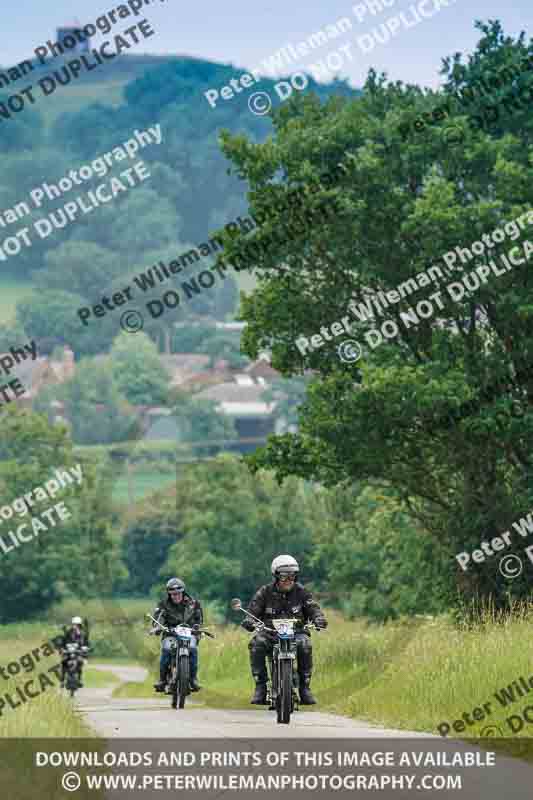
77, 633
177, 608
283, 598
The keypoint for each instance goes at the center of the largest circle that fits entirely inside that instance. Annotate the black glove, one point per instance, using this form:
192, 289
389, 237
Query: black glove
249, 625
321, 622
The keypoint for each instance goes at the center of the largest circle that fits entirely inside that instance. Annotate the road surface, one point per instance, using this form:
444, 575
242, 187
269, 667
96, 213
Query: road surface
197, 728
138, 718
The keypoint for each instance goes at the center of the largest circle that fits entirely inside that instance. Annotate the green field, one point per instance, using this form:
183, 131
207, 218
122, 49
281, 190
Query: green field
142, 484
11, 291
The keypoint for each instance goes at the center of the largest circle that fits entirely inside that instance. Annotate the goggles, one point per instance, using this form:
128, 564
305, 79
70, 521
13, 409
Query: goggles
175, 591
287, 576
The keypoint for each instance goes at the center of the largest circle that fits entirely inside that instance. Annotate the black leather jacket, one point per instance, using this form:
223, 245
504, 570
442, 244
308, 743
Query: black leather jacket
70, 636
188, 612
269, 603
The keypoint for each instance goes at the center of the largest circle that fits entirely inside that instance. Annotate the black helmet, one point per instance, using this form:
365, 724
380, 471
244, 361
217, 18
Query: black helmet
176, 584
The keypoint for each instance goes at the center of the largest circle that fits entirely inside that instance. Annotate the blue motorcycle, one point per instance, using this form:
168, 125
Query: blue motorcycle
178, 675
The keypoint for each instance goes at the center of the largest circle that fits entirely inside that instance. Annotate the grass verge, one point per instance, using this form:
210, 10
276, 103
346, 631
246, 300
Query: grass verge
411, 675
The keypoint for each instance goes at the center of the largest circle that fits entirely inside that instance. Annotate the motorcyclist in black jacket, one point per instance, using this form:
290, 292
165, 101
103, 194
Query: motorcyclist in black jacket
78, 632
178, 608
284, 597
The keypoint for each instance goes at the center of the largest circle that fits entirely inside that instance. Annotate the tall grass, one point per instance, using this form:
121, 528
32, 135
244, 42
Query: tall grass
410, 675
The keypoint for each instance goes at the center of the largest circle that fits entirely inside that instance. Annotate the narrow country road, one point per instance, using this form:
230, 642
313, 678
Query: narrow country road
122, 719
133, 718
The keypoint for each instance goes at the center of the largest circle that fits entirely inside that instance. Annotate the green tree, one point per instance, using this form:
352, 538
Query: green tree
147, 540
66, 558
94, 407
393, 209
226, 347
230, 517
366, 548
200, 423
289, 394
138, 372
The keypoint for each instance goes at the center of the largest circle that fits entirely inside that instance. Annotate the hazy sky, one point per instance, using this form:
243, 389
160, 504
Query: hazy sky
243, 33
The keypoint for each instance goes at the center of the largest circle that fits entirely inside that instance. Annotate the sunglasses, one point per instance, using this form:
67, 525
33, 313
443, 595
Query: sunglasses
176, 591
287, 576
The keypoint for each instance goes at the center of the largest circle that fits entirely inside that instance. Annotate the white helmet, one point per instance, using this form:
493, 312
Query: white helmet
284, 564
76, 621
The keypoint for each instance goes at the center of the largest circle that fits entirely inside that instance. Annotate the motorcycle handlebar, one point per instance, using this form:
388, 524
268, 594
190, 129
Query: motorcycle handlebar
195, 628
306, 628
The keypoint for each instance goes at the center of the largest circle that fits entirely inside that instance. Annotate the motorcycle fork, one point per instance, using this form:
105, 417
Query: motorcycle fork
281, 647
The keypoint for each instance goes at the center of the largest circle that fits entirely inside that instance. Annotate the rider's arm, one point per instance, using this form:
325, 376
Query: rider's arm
159, 615
198, 616
257, 608
312, 611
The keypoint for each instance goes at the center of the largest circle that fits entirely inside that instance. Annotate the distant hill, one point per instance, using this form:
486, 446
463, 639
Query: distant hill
103, 85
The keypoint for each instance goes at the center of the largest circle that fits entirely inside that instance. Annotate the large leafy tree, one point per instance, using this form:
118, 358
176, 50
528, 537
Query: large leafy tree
147, 540
73, 557
233, 525
399, 205
138, 371
94, 407
200, 423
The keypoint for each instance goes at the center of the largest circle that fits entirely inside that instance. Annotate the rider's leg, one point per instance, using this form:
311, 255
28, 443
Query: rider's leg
259, 647
164, 663
304, 653
80, 667
193, 663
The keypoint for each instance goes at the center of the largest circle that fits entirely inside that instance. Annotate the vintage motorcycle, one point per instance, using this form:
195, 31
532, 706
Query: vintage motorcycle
74, 654
283, 678
178, 675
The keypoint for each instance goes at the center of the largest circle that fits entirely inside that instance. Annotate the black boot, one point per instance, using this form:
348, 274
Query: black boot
193, 683
305, 670
258, 666
162, 682
306, 695
260, 695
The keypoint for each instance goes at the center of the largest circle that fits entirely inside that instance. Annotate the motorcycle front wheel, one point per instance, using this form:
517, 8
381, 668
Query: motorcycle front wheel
284, 699
71, 683
183, 681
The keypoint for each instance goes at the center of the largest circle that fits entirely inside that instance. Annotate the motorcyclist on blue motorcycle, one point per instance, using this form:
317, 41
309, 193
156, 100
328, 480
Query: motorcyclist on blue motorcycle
177, 608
